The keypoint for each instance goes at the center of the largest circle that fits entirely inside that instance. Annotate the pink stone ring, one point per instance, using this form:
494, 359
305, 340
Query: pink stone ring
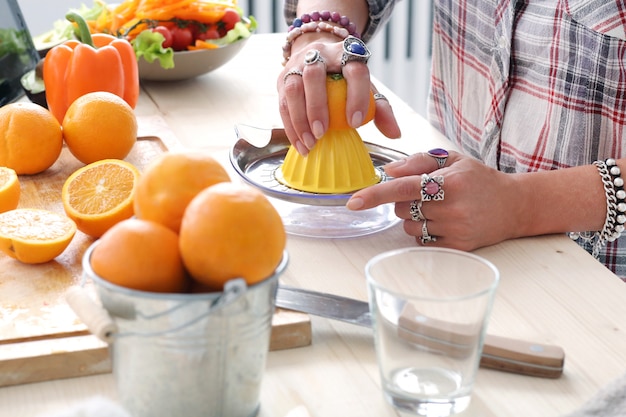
432, 188
440, 155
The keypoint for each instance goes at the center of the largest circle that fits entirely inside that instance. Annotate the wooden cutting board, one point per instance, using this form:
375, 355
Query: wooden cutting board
40, 336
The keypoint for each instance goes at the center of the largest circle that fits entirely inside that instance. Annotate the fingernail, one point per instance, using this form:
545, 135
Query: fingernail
395, 164
354, 203
308, 140
357, 119
302, 150
318, 129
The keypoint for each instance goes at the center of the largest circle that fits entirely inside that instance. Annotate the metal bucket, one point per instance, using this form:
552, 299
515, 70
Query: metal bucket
189, 354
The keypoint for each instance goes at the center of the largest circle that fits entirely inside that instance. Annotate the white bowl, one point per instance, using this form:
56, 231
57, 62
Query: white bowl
190, 64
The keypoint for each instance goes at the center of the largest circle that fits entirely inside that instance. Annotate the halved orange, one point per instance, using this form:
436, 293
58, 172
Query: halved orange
9, 189
35, 236
100, 195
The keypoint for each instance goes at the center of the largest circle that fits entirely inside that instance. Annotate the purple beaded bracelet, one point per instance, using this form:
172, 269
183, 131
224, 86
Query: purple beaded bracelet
327, 16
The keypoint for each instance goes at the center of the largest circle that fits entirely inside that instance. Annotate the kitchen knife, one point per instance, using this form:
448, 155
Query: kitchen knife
502, 353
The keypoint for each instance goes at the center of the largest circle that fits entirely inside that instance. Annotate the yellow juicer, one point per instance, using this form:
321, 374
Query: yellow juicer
339, 163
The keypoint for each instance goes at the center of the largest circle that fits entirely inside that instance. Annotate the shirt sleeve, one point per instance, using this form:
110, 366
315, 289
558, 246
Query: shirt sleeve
379, 13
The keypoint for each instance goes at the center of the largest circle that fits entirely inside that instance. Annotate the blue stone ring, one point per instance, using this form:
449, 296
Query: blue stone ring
354, 49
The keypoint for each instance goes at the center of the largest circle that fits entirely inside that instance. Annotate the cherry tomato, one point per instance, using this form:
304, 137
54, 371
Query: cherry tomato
167, 34
231, 16
210, 33
181, 38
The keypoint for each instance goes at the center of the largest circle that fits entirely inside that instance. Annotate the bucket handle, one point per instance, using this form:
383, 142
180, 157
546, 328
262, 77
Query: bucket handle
99, 321
95, 317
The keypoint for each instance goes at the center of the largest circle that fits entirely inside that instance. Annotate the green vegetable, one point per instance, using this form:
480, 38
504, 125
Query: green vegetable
148, 44
239, 31
64, 30
12, 41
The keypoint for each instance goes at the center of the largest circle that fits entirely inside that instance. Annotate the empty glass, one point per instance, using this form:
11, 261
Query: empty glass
430, 308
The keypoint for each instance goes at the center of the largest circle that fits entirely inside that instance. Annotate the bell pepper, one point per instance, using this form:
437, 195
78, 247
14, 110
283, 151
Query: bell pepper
99, 62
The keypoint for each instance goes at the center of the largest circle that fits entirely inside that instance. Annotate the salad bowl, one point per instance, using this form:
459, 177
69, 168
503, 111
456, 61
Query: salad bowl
190, 64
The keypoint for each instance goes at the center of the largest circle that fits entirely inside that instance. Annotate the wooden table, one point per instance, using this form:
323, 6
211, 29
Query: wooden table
551, 290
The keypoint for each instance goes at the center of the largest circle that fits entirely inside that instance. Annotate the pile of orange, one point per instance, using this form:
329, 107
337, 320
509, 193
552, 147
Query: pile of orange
191, 224
99, 128
98, 125
211, 229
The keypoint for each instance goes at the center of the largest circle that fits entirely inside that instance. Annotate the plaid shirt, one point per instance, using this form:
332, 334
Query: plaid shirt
528, 85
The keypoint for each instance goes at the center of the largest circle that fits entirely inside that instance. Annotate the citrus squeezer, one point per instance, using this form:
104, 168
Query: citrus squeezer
259, 157
338, 163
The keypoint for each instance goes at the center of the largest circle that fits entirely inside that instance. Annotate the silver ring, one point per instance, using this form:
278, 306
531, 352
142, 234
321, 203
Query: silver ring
440, 155
291, 72
416, 211
426, 238
432, 188
378, 96
354, 49
313, 56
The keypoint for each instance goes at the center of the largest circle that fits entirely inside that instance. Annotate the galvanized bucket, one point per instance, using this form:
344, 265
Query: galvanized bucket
189, 354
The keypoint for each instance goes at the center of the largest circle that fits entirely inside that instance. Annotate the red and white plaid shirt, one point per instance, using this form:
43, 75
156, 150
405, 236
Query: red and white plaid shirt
528, 85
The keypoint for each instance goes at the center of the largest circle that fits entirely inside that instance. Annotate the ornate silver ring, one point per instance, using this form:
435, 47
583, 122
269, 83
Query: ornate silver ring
416, 211
378, 96
354, 49
312, 57
440, 155
426, 238
291, 72
432, 188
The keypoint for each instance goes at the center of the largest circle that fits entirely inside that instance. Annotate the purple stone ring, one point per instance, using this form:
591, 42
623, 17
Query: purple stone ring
354, 49
432, 188
440, 155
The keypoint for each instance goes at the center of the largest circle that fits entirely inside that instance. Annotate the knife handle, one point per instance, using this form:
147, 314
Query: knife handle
502, 353
522, 357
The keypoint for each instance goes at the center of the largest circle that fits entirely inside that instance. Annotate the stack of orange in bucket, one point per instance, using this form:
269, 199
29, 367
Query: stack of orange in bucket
190, 284
193, 228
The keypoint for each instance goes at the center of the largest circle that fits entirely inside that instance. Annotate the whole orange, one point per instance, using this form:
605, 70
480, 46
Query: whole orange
169, 183
141, 255
30, 138
337, 94
231, 230
99, 125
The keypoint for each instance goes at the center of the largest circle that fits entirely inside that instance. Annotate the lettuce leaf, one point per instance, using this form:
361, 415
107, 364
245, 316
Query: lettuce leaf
148, 45
64, 30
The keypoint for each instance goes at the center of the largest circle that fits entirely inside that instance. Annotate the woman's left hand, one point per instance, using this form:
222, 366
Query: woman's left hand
481, 206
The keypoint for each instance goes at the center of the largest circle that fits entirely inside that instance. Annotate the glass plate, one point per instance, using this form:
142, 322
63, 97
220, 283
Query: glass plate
307, 214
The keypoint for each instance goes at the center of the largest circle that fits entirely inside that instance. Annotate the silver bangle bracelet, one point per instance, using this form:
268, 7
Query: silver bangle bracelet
613, 185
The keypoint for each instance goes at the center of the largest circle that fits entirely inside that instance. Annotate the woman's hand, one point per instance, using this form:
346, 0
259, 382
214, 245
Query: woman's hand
302, 93
481, 206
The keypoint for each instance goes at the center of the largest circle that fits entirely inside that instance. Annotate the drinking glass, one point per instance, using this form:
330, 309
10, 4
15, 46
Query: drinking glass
430, 308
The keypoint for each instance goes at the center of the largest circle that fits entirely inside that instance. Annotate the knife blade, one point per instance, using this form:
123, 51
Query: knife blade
501, 353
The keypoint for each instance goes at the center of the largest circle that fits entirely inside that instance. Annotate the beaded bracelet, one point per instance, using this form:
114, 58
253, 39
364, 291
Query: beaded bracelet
311, 27
613, 184
327, 16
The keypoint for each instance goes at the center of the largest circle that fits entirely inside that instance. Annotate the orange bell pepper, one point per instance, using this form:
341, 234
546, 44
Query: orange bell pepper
100, 62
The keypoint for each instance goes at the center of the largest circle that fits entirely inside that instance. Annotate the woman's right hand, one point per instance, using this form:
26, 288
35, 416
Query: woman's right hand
302, 98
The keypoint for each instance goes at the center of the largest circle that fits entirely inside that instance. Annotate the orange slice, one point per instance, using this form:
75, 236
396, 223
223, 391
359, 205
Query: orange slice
35, 236
9, 189
100, 195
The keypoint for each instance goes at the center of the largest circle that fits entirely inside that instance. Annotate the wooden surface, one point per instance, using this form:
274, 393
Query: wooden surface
41, 338
551, 291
